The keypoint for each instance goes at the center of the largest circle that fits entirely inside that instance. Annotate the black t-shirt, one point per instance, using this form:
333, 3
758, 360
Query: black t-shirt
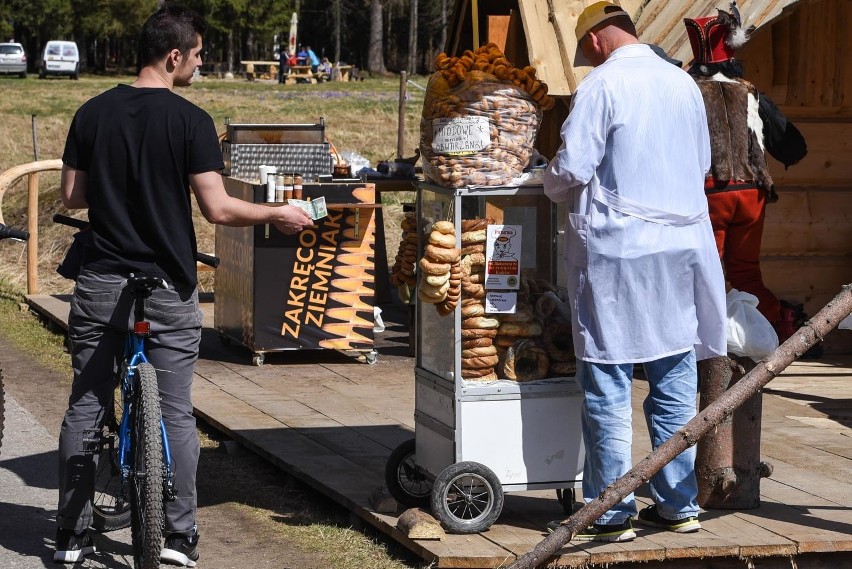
138, 147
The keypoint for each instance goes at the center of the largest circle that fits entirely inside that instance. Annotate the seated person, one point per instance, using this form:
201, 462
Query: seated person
324, 70
302, 56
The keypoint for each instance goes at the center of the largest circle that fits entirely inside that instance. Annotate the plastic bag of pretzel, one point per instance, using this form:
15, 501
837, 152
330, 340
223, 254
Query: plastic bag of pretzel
480, 118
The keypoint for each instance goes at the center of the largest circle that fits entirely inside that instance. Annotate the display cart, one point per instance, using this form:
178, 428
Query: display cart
476, 440
314, 290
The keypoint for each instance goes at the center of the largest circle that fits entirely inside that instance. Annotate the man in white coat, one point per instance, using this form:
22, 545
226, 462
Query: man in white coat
644, 277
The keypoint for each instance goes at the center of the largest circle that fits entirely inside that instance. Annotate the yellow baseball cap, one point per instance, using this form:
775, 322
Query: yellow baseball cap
595, 14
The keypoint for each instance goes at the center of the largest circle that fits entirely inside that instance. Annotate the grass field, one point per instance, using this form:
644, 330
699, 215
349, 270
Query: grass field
359, 116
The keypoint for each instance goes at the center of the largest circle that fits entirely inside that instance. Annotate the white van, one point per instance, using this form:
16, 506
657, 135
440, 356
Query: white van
60, 58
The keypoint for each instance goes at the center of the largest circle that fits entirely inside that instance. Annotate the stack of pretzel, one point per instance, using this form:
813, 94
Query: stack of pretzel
439, 284
402, 272
482, 84
479, 354
490, 60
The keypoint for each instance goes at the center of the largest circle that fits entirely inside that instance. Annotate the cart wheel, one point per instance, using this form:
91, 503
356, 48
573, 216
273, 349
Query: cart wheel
405, 481
467, 497
567, 498
257, 359
371, 356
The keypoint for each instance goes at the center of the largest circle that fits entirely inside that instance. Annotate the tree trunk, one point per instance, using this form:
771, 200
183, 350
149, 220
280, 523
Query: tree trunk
412, 38
812, 332
337, 27
231, 50
375, 53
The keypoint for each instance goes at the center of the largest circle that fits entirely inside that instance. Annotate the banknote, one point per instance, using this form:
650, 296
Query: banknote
316, 208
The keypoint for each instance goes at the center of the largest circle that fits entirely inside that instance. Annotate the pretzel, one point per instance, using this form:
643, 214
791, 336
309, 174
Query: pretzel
445, 227
474, 333
431, 268
480, 362
476, 343
480, 351
442, 254
442, 239
480, 322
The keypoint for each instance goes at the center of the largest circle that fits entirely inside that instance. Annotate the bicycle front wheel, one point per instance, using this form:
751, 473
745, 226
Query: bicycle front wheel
147, 479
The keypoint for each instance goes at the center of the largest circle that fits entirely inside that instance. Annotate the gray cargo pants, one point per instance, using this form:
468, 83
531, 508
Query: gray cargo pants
100, 315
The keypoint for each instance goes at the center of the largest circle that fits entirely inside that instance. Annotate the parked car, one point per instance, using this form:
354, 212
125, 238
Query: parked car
60, 58
13, 59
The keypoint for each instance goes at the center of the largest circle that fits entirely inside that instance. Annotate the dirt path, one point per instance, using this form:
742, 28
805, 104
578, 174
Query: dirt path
250, 514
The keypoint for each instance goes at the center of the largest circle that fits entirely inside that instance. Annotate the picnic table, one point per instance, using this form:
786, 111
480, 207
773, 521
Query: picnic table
340, 72
252, 69
301, 73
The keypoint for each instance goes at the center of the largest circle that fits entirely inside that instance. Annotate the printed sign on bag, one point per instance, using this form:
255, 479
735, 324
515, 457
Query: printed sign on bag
459, 136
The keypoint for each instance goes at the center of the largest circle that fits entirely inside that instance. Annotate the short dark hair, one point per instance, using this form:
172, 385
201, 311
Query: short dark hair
171, 27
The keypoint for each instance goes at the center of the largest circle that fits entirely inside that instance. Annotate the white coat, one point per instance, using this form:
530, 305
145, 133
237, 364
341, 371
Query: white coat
644, 276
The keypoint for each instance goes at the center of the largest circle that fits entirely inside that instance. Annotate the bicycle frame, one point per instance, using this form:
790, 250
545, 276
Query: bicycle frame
134, 354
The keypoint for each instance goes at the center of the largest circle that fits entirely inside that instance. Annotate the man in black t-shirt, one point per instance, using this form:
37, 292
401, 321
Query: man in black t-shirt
131, 157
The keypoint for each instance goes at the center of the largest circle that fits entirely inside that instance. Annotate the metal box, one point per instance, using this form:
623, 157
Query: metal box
298, 148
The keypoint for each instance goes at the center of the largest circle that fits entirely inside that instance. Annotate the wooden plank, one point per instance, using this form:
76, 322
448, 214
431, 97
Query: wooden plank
810, 533
550, 53
53, 307
498, 30
826, 164
753, 540
813, 221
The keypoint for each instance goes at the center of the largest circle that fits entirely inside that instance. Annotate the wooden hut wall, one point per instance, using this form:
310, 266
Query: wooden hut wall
802, 62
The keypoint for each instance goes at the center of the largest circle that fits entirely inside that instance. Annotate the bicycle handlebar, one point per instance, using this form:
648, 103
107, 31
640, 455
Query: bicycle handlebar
7, 232
70, 221
208, 260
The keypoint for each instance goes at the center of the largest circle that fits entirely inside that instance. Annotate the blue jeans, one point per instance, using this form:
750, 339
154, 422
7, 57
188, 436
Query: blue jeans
608, 432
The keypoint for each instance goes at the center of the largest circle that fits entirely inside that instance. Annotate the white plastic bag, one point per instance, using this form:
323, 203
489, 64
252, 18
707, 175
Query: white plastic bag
846, 323
749, 332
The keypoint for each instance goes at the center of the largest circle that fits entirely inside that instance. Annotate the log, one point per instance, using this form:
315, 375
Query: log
727, 461
417, 524
812, 332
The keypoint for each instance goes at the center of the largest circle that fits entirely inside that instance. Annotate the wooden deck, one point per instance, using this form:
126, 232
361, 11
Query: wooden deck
332, 421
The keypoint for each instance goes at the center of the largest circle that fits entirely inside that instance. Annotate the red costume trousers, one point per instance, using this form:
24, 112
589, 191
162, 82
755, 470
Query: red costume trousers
737, 217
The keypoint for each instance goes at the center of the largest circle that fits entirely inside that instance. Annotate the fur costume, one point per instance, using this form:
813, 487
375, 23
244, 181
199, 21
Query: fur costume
743, 125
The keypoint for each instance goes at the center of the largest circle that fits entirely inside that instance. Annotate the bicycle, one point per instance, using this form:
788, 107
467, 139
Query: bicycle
7, 232
135, 475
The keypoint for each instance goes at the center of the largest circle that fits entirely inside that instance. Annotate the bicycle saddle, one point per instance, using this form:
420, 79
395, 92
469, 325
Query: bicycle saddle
141, 284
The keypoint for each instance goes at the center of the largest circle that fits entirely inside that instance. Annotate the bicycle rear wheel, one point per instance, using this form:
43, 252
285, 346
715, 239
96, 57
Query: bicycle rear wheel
147, 480
110, 507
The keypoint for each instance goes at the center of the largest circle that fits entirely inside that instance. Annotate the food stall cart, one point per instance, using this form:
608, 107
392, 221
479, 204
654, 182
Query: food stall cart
314, 290
478, 433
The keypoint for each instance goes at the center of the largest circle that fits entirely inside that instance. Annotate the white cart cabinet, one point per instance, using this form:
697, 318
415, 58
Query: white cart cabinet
474, 440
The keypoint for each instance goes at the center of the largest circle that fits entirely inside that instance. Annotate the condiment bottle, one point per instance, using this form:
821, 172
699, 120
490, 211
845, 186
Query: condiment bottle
288, 187
297, 186
279, 188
